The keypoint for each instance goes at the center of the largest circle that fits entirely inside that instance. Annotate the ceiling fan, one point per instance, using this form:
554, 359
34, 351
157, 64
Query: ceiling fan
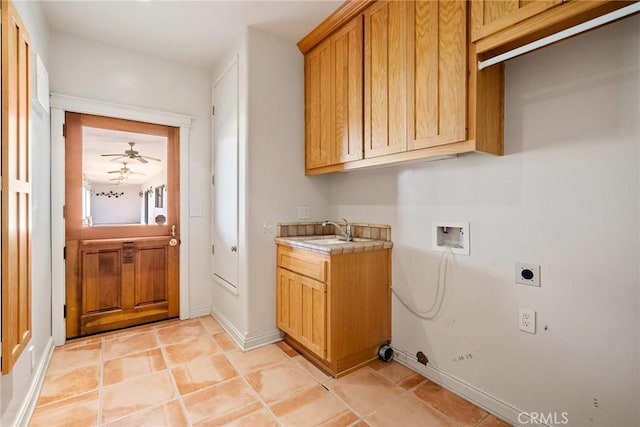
131, 154
124, 171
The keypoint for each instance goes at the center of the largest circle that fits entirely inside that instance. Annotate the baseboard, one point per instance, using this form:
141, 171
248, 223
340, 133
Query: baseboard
199, 312
229, 328
478, 397
244, 342
29, 404
262, 339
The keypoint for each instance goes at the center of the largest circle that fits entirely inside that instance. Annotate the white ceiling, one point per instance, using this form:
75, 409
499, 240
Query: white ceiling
100, 169
191, 32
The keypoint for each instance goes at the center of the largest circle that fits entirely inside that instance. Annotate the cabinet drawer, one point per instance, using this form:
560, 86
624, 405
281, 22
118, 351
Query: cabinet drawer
303, 262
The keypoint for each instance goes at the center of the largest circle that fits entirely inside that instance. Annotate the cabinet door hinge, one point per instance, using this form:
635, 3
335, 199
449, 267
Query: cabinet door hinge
213, 110
64, 311
213, 180
64, 130
64, 253
64, 211
213, 250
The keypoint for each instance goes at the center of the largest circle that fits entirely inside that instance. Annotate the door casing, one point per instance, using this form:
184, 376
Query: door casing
60, 104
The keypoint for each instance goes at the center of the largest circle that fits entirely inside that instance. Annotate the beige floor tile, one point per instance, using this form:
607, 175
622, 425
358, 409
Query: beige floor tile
210, 324
231, 416
133, 365
280, 381
287, 349
312, 407
452, 405
491, 421
253, 360
202, 373
393, 371
127, 332
412, 381
181, 332
187, 351
81, 410
66, 358
130, 344
219, 399
69, 383
311, 368
135, 395
81, 342
167, 414
361, 423
260, 418
408, 411
364, 390
225, 342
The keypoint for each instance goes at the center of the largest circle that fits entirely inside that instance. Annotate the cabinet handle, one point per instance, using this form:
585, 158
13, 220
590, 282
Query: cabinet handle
173, 231
234, 249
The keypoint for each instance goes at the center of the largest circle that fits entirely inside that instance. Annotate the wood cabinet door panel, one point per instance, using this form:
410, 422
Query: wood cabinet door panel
385, 79
347, 46
318, 107
313, 302
437, 73
490, 16
287, 299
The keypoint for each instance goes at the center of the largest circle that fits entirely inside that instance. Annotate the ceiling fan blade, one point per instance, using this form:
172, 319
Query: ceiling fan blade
111, 155
141, 159
150, 158
113, 172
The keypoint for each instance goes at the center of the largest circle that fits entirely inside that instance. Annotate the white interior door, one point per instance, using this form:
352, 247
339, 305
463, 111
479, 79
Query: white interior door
225, 182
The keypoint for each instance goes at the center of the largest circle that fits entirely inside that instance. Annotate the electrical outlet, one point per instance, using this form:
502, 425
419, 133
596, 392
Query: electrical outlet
527, 320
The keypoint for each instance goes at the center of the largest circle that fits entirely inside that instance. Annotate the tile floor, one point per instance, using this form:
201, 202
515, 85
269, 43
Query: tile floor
190, 373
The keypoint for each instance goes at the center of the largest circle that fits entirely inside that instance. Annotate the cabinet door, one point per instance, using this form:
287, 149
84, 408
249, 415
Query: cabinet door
437, 72
301, 310
385, 78
288, 310
490, 16
347, 50
319, 123
313, 325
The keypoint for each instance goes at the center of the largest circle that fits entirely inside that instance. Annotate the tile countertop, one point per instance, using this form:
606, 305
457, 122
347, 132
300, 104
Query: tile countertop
368, 237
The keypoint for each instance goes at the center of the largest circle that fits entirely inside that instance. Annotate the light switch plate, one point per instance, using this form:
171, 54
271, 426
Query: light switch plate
304, 212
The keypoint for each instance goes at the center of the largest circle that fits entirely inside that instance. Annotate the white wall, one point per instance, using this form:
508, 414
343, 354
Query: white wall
124, 209
14, 388
90, 69
277, 185
272, 183
565, 196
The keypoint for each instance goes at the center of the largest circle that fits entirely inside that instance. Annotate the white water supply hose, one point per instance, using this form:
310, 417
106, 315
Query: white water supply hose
441, 286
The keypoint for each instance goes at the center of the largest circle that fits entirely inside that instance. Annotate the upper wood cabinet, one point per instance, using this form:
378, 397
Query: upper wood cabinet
333, 98
501, 25
491, 16
420, 97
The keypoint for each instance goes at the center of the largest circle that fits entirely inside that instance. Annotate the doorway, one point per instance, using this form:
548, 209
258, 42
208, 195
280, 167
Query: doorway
122, 223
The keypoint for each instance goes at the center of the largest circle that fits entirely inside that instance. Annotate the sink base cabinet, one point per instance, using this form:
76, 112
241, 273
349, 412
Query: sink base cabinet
339, 318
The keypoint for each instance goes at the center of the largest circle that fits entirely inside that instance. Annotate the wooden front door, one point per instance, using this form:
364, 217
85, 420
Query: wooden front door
122, 223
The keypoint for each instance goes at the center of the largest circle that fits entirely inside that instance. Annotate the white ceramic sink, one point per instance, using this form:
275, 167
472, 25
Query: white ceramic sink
334, 241
330, 241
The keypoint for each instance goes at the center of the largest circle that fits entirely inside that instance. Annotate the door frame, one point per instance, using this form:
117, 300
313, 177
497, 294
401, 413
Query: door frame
60, 104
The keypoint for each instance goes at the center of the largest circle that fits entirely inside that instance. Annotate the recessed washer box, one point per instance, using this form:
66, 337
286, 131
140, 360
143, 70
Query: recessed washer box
451, 236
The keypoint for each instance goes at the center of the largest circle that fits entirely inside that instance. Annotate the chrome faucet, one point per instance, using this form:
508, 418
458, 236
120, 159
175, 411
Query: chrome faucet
347, 233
